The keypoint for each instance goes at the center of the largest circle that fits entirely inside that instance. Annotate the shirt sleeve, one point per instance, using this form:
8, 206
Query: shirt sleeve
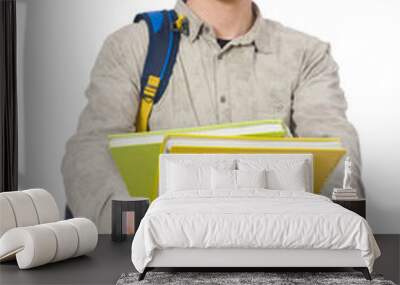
319, 110
90, 176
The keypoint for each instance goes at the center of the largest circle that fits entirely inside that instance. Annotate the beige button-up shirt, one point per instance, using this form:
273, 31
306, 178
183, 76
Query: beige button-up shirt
270, 72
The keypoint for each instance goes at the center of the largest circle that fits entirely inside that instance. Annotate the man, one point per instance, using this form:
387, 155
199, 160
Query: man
232, 66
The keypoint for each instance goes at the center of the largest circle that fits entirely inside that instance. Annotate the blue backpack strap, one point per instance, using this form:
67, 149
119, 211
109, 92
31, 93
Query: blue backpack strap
164, 36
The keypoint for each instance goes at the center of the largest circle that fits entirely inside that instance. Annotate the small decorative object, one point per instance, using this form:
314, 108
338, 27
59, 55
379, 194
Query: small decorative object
347, 192
126, 216
347, 173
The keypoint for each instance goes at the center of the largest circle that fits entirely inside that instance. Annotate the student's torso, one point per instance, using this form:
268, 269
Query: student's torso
210, 85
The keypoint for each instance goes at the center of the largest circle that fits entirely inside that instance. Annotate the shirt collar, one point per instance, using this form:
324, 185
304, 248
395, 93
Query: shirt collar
195, 23
258, 34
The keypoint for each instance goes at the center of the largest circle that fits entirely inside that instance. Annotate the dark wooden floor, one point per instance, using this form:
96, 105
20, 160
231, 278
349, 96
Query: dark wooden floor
389, 262
110, 260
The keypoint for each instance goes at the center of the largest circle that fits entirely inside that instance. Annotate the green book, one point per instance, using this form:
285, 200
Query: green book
136, 154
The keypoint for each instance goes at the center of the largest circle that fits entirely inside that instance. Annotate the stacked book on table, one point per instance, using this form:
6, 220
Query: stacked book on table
136, 155
344, 194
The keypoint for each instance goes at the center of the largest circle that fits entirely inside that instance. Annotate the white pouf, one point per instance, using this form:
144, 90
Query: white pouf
7, 220
45, 205
23, 208
37, 245
31, 233
27, 208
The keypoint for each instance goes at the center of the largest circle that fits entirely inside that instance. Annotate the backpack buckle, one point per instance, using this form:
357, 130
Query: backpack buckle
181, 25
150, 90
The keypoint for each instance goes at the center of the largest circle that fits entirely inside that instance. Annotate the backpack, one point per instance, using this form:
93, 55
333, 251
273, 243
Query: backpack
165, 28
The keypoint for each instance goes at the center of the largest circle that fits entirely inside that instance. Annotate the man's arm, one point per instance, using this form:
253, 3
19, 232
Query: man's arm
319, 109
90, 176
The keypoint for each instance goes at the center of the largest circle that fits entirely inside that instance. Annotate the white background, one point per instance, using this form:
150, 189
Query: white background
58, 41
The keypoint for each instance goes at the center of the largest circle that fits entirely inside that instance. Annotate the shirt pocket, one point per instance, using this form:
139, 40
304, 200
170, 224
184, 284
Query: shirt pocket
272, 101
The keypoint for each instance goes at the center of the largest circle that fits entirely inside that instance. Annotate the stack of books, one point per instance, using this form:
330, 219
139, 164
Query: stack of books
326, 152
136, 155
344, 194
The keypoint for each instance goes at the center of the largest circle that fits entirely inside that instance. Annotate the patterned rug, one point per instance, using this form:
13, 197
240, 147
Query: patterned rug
243, 278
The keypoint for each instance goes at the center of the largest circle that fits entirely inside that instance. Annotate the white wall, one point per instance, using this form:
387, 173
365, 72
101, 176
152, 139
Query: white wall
59, 41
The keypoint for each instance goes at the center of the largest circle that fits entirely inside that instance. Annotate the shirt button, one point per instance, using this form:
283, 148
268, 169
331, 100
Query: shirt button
219, 56
206, 30
222, 99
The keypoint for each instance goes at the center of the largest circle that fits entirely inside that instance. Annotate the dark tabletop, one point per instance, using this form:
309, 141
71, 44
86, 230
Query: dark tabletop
102, 266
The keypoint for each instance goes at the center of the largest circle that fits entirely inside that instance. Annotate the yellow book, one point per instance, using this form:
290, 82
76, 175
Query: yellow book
326, 152
136, 154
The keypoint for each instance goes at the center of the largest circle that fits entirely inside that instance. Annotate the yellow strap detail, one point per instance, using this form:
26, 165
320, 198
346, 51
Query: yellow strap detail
179, 22
150, 89
146, 103
148, 93
153, 81
143, 116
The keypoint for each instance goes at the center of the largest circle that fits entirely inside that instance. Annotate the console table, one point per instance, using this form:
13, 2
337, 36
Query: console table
358, 206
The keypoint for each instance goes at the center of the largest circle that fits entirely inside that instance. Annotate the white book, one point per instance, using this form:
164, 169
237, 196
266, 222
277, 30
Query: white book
345, 198
345, 193
341, 190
